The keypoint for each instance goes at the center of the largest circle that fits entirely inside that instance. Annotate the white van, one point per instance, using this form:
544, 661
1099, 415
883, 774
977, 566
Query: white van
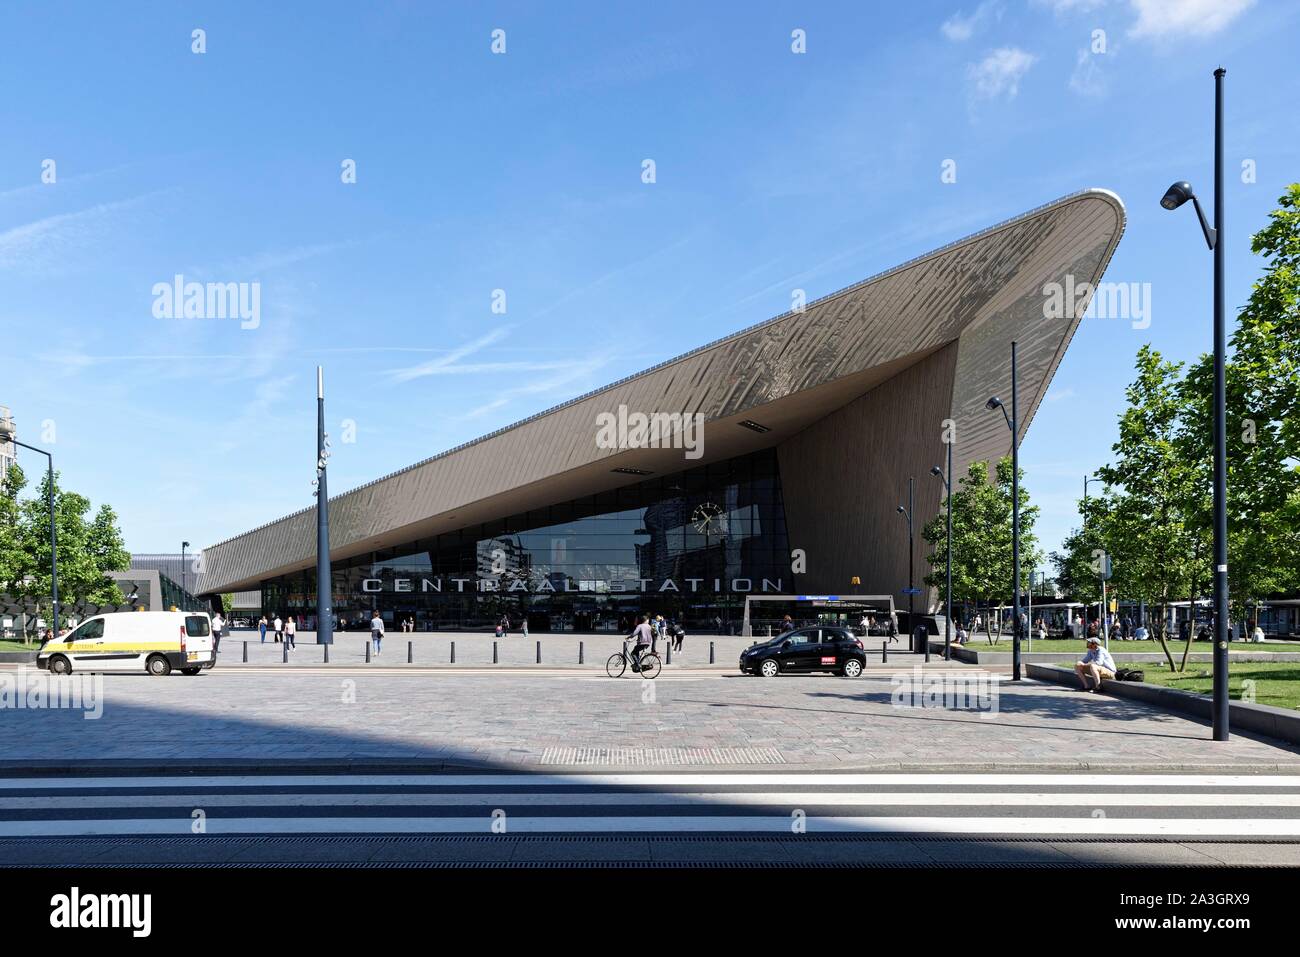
152, 641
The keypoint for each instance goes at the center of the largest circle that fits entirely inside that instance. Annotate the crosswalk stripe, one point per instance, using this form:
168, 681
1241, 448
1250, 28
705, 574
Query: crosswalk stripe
980, 800
483, 824
630, 779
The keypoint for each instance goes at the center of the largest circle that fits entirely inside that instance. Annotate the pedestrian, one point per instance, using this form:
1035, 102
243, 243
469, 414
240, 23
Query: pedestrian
787, 624
377, 632
261, 628
218, 625
1257, 634
1095, 665
678, 633
290, 629
524, 625
279, 629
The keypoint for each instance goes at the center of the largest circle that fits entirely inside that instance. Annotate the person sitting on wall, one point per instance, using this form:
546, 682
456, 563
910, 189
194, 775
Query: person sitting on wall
1096, 664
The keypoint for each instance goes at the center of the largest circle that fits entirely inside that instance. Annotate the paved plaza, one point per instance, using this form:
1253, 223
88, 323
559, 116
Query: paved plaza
517, 717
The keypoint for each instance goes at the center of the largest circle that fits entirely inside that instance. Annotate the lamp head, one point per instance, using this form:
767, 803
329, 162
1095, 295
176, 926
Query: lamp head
901, 510
1176, 195
936, 471
993, 403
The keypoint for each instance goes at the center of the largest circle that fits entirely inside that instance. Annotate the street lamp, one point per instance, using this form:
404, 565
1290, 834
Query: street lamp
324, 579
184, 545
7, 435
947, 621
995, 403
911, 588
1178, 194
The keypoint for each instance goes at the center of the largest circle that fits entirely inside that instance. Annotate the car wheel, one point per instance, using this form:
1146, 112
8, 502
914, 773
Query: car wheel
159, 666
770, 668
60, 665
852, 668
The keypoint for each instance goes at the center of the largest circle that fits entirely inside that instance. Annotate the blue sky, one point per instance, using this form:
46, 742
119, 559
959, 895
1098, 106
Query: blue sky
522, 172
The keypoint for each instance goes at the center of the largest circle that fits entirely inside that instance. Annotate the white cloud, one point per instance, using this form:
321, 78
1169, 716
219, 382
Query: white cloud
958, 28
48, 244
447, 362
1167, 18
999, 73
1061, 7
1087, 78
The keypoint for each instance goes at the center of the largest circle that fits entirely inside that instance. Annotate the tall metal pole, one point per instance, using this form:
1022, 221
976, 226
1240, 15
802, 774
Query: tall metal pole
184, 545
324, 580
911, 562
1220, 437
1015, 518
947, 627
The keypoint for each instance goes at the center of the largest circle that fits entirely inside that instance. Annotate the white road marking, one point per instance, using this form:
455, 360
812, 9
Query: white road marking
758, 779
1075, 827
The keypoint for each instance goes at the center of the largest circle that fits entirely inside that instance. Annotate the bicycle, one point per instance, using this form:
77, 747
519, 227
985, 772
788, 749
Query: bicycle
649, 663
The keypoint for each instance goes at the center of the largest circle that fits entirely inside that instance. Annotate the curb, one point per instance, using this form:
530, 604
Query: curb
203, 766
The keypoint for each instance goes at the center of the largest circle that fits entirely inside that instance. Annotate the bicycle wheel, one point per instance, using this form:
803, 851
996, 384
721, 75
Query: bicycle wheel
616, 665
650, 665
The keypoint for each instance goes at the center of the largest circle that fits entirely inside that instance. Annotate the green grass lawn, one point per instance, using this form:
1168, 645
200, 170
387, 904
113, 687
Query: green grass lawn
1275, 683
7, 645
1175, 647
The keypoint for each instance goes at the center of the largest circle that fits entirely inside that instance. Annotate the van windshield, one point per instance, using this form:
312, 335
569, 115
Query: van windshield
196, 626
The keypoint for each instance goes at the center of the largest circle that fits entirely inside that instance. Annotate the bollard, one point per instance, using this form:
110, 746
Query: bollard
410, 652
710, 652
884, 652
367, 652
284, 652
453, 652
668, 653
580, 652
327, 653
539, 652
245, 652
494, 652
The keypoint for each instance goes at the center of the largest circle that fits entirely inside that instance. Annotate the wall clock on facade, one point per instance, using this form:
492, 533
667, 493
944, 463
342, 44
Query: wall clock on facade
708, 518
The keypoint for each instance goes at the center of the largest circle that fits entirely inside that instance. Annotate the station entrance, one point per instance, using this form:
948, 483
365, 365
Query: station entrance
766, 614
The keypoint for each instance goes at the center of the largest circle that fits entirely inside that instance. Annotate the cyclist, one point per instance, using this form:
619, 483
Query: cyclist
642, 636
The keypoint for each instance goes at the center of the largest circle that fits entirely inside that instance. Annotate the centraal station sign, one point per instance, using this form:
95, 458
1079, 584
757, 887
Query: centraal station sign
371, 586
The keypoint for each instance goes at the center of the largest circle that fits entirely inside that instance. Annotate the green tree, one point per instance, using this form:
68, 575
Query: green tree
1263, 422
982, 538
87, 549
1159, 553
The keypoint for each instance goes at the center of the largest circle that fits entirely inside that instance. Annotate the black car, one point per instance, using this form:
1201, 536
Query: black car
804, 650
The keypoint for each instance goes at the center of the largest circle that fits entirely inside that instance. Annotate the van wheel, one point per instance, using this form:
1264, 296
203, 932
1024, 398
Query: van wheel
191, 671
770, 668
60, 665
159, 666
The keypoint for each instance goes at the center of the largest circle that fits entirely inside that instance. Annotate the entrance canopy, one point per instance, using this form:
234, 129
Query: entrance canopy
762, 611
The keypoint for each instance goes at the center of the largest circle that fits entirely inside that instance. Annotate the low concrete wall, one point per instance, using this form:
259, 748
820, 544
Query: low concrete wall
19, 657
982, 653
1242, 716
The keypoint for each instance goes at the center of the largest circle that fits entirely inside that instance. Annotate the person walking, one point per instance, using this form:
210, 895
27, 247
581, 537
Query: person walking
290, 629
279, 629
377, 633
524, 625
678, 633
261, 628
218, 625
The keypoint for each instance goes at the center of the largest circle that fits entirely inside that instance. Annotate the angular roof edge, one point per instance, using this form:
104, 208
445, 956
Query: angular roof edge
1094, 192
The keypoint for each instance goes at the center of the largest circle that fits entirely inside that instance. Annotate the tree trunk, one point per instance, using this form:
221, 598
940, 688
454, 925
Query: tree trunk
1191, 631
1160, 634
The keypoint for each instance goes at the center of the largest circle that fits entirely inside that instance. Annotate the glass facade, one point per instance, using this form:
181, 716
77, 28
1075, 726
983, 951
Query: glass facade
688, 546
